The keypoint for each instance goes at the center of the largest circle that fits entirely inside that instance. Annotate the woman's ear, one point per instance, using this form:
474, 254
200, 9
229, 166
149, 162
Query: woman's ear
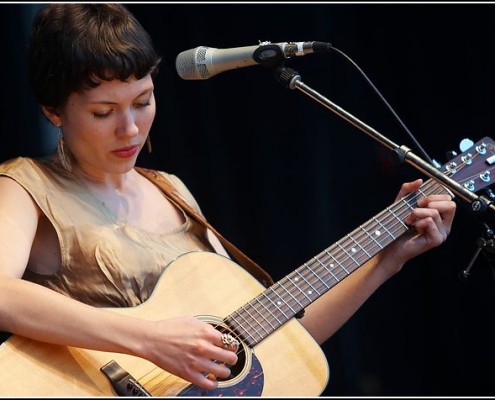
52, 115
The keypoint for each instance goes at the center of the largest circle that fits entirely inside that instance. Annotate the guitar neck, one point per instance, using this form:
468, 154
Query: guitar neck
282, 301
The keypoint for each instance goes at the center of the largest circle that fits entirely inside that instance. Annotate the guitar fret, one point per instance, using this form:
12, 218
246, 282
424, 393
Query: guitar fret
423, 193
319, 285
308, 291
268, 310
325, 269
331, 279
397, 218
282, 300
378, 236
298, 283
310, 285
315, 274
352, 255
355, 253
338, 262
239, 328
371, 236
399, 228
259, 316
409, 206
240, 314
309, 278
372, 245
331, 267
333, 275
384, 227
255, 320
290, 294
348, 255
247, 321
266, 294
359, 245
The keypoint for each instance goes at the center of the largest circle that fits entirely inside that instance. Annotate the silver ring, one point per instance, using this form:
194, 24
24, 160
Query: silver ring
229, 342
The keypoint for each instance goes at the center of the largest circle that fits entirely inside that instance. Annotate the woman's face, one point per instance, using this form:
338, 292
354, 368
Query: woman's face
106, 127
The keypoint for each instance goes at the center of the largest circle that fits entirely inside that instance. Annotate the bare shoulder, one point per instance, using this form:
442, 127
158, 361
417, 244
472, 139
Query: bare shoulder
10, 187
13, 196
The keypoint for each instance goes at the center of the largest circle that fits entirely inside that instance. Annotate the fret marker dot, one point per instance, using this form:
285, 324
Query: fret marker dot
353, 250
377, 233
279, 303
310, 292
331, 265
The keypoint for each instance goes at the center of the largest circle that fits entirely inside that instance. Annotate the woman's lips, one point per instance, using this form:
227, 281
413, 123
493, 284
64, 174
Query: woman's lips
126, 152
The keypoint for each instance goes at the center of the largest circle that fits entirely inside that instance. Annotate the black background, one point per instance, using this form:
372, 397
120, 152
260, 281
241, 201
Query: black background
283, 177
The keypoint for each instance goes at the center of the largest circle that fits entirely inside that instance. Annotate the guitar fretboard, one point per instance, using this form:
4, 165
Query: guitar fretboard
283, 300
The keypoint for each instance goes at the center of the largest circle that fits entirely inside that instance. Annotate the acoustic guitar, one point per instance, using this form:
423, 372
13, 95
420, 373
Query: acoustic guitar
277, 356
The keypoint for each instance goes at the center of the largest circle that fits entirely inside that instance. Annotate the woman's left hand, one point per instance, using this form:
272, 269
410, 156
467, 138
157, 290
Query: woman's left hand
430, 224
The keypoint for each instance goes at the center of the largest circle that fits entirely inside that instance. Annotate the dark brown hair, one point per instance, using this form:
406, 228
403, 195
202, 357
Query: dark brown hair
74, 46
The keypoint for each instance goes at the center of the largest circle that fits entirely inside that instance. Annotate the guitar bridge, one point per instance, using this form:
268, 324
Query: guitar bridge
123, 383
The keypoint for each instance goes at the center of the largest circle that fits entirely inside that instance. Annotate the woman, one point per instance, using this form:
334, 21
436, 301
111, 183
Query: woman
83, 229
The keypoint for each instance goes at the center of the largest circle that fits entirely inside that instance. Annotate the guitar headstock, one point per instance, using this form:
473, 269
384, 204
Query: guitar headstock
473, 167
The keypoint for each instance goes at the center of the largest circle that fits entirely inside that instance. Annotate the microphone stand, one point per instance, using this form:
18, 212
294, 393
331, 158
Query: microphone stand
481, 206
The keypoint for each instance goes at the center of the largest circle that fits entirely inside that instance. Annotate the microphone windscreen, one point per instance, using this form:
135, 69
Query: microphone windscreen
187, 65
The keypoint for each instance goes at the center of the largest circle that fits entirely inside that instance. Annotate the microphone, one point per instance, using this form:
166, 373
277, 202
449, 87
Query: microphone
204, 62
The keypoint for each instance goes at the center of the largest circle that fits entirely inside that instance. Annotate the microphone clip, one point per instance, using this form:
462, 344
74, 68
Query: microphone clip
269, 55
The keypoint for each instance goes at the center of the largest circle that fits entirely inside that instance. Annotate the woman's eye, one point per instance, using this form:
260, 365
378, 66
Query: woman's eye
102, 115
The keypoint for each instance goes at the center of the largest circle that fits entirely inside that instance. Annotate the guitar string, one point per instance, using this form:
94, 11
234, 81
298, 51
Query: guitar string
403, 207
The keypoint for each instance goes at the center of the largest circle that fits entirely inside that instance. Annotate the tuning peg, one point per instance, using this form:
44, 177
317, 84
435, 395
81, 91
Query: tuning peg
465, 144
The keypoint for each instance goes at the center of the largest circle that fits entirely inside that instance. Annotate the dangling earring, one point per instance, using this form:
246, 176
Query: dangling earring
62, 155
148, 143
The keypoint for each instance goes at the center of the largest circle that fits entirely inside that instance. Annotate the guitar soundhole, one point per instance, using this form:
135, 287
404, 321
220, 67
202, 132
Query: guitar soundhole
246, 377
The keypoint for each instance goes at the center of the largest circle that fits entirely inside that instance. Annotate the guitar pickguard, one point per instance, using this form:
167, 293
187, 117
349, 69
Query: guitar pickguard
250, 385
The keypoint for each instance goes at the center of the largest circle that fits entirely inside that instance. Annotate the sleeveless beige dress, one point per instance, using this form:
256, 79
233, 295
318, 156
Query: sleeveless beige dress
104, 262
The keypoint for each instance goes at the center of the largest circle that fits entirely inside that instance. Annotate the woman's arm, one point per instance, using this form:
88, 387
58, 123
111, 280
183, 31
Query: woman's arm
430, 225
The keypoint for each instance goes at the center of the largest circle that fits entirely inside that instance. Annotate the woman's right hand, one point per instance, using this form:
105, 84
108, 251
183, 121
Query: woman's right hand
190, 349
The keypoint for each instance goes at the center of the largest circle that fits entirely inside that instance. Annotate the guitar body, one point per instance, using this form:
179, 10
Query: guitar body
286, 363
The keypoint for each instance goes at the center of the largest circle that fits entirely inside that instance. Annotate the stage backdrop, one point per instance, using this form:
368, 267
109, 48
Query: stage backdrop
283, 177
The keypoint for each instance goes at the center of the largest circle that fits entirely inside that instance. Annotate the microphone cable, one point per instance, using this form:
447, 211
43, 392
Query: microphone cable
425, 155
